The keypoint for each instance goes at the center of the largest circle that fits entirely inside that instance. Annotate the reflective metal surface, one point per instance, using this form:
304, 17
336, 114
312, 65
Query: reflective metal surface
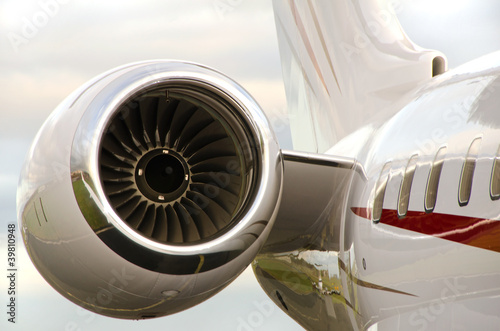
443, 250
299, 267
410, 256
93, 257
402, 234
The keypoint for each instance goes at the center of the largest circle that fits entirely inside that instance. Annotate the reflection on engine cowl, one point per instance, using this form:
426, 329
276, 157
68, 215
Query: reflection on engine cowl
149, 189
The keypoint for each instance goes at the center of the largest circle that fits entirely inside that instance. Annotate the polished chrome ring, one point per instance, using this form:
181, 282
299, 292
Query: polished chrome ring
251, 221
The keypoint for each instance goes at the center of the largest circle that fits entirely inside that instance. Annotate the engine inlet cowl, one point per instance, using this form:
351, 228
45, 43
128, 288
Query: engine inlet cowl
149, 189
173, 162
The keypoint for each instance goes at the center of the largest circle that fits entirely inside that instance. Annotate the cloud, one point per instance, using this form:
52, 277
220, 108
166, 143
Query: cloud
463, 30
84, 38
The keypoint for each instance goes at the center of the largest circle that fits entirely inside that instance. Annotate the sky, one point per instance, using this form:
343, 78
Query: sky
50, 47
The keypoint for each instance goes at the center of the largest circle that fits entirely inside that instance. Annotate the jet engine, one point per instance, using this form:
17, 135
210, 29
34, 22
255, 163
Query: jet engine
149, 189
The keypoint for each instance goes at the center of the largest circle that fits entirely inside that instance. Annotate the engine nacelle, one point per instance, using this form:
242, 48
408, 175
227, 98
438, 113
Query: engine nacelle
149, 189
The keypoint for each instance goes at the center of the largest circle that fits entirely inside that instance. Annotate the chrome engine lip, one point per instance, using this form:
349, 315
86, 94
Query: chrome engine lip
145, 75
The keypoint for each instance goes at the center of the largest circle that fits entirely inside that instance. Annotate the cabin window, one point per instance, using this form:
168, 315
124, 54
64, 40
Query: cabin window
495, 178
465, 186
404, 191
378, 202
433, 180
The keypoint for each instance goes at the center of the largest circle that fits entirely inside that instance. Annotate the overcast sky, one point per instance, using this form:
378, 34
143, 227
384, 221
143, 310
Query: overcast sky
48, 51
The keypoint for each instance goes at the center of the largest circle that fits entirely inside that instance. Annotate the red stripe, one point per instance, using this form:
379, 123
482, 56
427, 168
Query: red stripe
472, 231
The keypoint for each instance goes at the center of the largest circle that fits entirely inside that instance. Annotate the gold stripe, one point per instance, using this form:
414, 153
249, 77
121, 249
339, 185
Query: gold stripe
36, 214
307, 43
360, 282
43, 211
323, 43
202, 260
296, 56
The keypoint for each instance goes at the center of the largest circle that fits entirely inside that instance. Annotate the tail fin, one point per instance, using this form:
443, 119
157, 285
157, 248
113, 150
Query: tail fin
345, 64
